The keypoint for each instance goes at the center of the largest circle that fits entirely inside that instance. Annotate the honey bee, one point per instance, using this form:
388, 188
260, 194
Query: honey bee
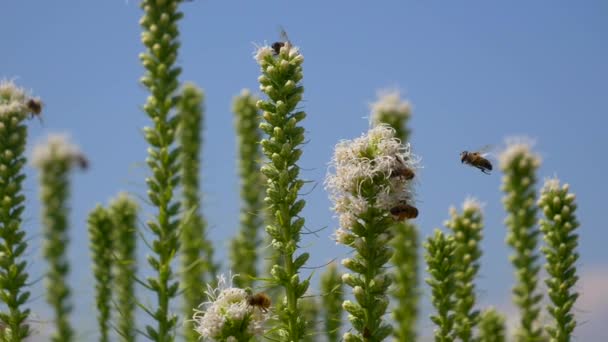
35, 106
82, 161
476, 159
276, 46
404, 211
261, 300
366, 333
402, 170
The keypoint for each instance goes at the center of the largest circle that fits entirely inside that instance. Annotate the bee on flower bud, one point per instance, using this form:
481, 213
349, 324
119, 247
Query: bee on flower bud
401, 170
276, 46
259, 300
404, 211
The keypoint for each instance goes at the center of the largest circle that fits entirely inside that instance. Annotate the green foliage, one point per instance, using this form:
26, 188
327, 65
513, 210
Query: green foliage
332, 291
442, 268
244, 247
123, 211
406, 288
519, 166
160, 37
492, 326
101, 245
13, 275
310, 311
280, 80
558, 228
197, 266
466, 228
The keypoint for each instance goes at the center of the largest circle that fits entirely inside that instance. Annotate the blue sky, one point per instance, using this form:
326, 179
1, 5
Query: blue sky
475, 72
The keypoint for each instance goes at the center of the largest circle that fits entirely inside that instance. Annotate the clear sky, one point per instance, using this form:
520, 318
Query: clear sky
475, 72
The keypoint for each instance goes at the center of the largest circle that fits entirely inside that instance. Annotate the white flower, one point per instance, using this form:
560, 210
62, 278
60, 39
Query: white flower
389, 103
13, 99
551, 185
227, 304
57, 147
261, 53
369, 162
471, 203
518, 146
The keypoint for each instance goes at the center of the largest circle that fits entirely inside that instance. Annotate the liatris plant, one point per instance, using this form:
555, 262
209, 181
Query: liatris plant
558, 227
55, 159
392, 110
123, 211
364, 196
101, 244
442, 268
197, 266
160, 38
467, 234
244, 253
332, 292
280, 80
519, 165
310, 312
492, 326
229, 314
13, 276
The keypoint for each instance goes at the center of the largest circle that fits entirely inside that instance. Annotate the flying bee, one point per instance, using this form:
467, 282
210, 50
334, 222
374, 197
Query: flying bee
404, 211
477, 159
35, 107
82, 161
402, 170
261, 300
276, 46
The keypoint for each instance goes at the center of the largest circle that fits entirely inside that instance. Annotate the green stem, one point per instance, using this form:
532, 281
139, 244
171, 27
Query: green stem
160, 36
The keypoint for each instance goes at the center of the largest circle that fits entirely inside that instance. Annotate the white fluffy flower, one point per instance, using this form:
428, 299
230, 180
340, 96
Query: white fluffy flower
518, 146
389, 103
228, 304
13, 99
471, 203
57, 147
364, 176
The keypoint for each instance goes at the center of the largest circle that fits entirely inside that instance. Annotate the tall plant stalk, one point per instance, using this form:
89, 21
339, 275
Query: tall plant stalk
160, 36
244, 247
14, 110
280, 81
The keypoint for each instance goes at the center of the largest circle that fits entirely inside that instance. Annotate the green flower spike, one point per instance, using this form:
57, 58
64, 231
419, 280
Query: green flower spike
55, 159
390, 109
365, 195
123, 211
442, 268
244, 247
310, 312
519, 165
14, 110
197, 252
160, 36
280, 80
467, 232
558, 227
101, 240
332, 291
492, 326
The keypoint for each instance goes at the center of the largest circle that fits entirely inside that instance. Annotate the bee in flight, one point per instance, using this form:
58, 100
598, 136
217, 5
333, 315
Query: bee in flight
276, 46
404, 211
477, 159
35, 107
261, 300
402, 171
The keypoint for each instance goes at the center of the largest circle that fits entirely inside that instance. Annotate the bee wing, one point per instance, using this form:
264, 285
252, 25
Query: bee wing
487, 151
283, 35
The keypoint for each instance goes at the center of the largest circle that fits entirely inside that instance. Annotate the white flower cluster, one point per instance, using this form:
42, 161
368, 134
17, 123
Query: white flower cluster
389, 102
227, 309
472, 203
519, 146
263, 52
368, 162
57, 147
12, 98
